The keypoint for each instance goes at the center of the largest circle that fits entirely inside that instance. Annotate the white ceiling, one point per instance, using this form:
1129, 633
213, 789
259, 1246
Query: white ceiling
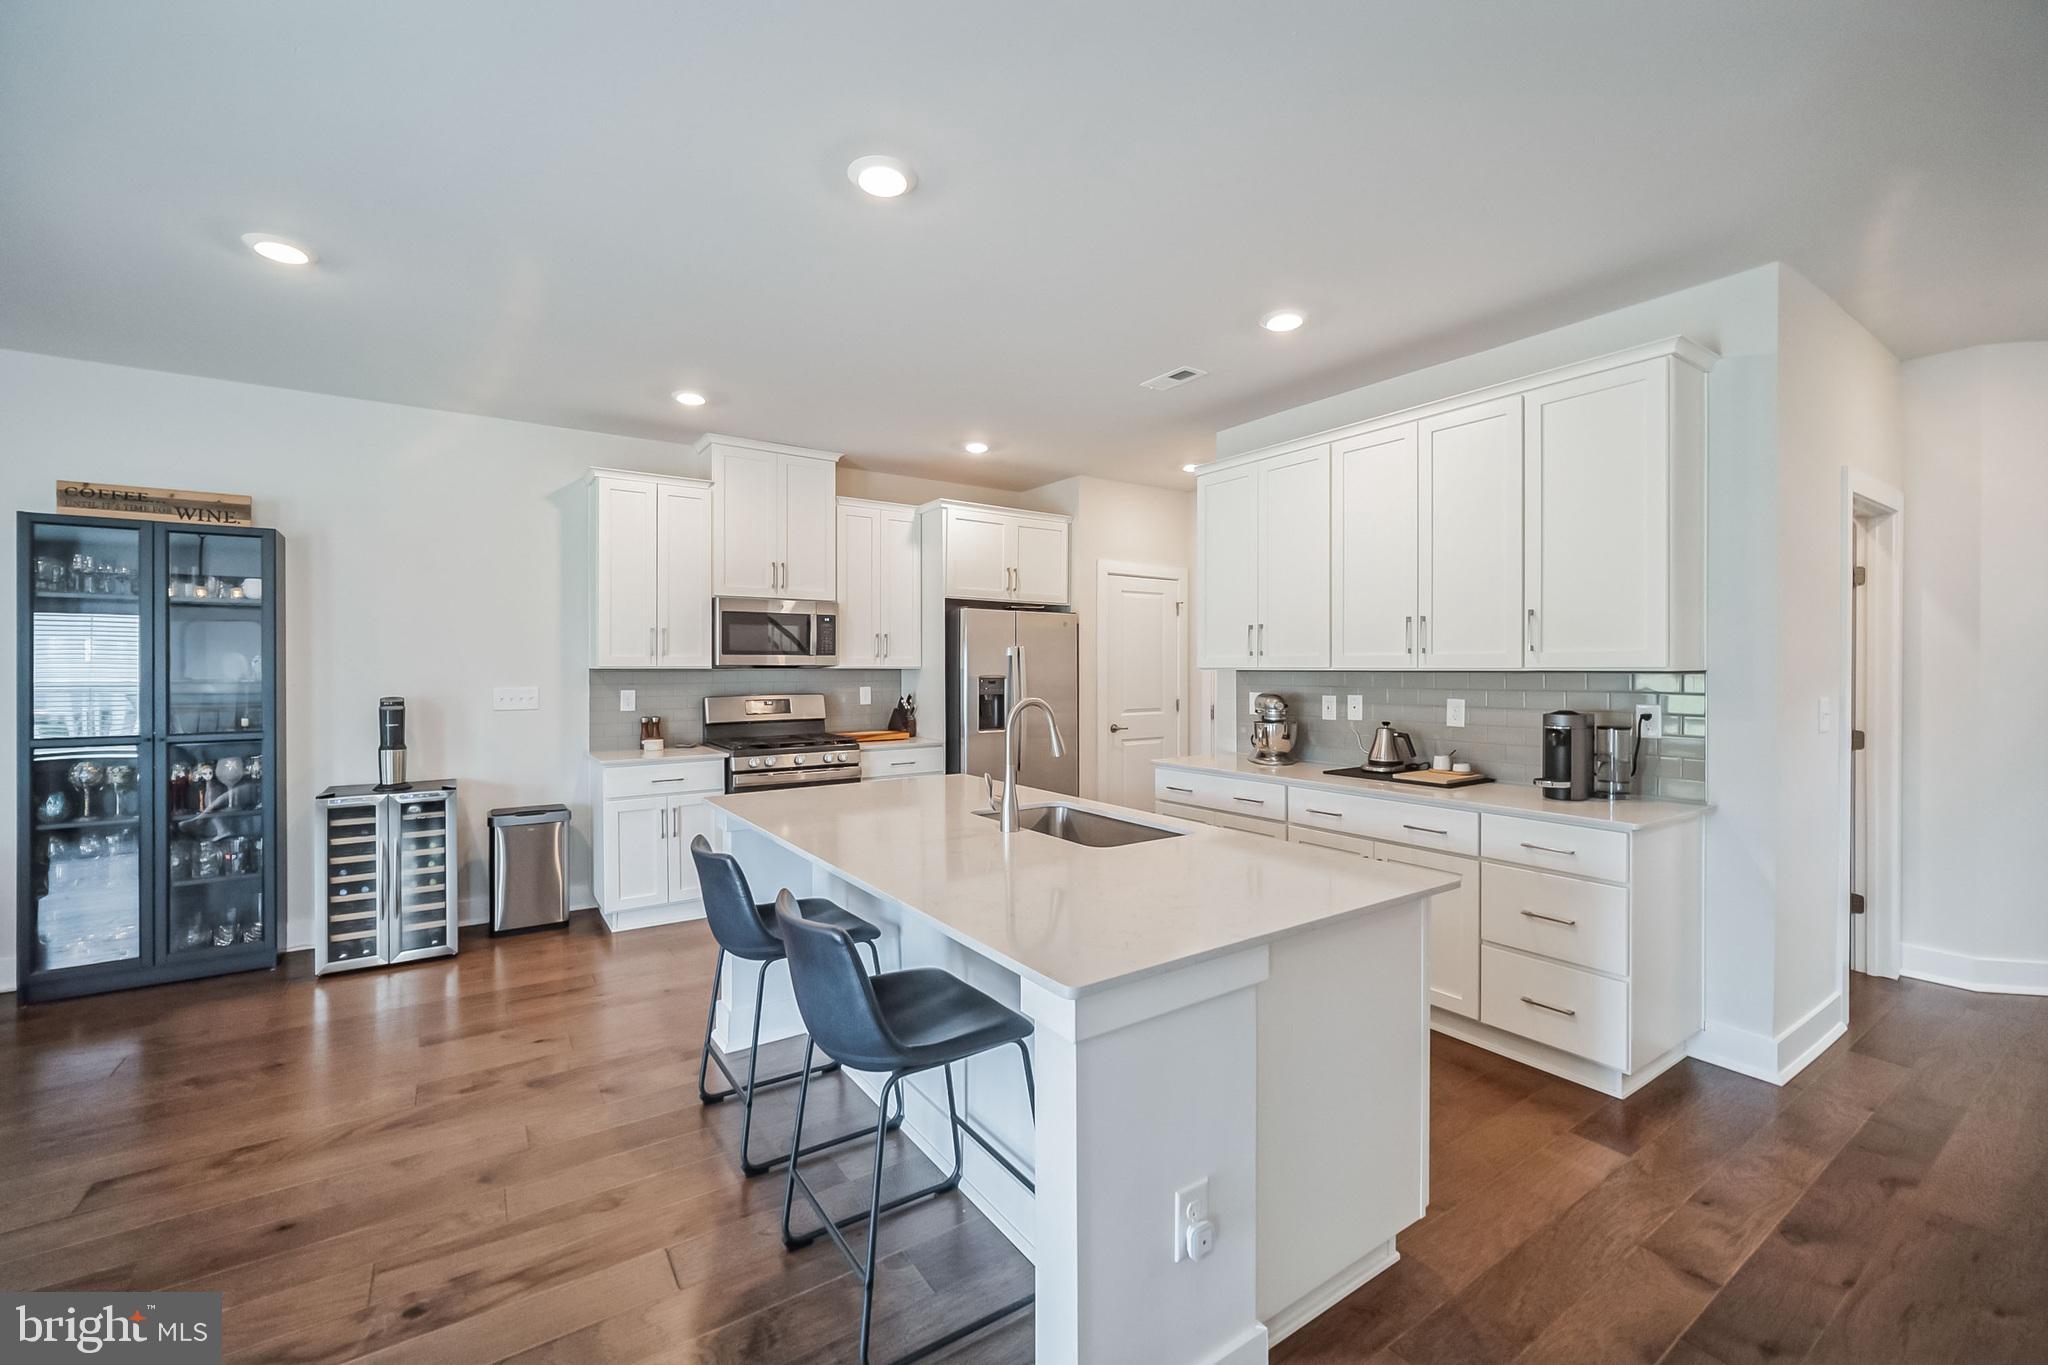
561, 212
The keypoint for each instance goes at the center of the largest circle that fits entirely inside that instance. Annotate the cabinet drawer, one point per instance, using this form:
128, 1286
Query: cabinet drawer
1342, 843
1583, 852
1372, 817
1561, 917
1244, 824
1221, 791
1567, 1008
664, 779
880, 763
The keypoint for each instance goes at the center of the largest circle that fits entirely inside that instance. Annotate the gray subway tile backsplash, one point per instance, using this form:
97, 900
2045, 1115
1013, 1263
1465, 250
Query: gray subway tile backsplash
677, 696
1503, 717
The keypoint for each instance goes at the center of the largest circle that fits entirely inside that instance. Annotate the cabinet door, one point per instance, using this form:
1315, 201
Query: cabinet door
1596, 555
683, 555
747, 544
1294, 561
1471, 537
625, 621
977, 554
1453, 928
688, 817
636, 864
809, 518
901, 562
1373, 519
1227, 566
1038, 557
860, 607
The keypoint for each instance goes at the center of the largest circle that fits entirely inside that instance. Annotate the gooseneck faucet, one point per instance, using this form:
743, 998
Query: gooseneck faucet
1007, 820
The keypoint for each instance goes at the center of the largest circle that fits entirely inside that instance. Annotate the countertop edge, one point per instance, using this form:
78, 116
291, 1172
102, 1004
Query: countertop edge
628, 758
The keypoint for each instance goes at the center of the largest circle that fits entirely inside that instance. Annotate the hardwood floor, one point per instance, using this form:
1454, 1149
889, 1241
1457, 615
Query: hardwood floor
502, 1157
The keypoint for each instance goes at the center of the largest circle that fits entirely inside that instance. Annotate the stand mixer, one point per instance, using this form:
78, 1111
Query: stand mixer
1273, 735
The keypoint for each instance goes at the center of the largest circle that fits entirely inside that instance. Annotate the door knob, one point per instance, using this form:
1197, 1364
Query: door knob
1118, 729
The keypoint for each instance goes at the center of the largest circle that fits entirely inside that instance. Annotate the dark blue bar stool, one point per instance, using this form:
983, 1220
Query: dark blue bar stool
900, 1023
746, 930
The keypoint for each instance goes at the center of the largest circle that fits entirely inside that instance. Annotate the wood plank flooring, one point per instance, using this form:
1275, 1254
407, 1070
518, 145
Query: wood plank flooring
502, 1157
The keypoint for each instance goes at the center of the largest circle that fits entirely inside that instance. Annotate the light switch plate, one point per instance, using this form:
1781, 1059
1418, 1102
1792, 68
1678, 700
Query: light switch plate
1454, 713
1190, 1205
515, 699
1652, 720
1329, 707
629, 700
867, 696
1354, 707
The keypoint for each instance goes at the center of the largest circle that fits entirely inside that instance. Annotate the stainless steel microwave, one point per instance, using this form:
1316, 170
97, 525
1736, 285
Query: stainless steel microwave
773, 632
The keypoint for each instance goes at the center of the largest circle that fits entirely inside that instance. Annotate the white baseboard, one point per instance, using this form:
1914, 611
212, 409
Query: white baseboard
1528, 1052
676, 912
1997, 975
1249, 1347
1779, 1058
1328, 1294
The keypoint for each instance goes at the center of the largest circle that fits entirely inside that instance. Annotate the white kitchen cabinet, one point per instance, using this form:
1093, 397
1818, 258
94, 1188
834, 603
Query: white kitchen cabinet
886, 761
651, 577
636, 837
1614, 490
1373, 549
1469, 529
775, 520
880, 623
998, 554
648, 814
1453, 927
1264, 563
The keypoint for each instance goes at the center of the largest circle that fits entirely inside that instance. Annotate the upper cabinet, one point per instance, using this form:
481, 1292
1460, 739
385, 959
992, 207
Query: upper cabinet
775, 522
651, 539
1263, 563
1469, 537
1373, 553
880, 625
998, 554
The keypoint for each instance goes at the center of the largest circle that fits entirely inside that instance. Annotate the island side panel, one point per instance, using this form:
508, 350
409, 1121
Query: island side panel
1343, 1085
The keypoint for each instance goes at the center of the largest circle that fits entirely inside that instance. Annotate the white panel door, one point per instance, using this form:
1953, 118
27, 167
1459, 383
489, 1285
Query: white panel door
1596, 553
683, 557
1139, 652
1294, 561
901, 560
636, 864
747, 547
1038, 561
688, 817
1453, 928
625, 628
1227, 567
860, 605
810, 509
977, 554
1471, 537
1373, 520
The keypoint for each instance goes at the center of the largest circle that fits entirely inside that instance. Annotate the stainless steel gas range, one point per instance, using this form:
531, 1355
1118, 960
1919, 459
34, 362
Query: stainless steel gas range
778, 740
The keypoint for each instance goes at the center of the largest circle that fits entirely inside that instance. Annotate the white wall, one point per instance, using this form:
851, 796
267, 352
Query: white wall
1976, 640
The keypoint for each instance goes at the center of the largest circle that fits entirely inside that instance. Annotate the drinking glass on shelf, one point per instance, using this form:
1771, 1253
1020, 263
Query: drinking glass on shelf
120, 781
81, 573
207, 859
224, 931
85, 775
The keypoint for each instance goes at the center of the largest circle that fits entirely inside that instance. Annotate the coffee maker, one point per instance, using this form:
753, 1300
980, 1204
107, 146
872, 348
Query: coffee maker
390, 743
1617, 759
1567, 756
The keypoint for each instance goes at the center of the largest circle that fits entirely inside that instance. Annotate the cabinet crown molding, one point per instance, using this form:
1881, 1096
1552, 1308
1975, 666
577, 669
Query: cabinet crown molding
1681, 348
937, 503
877, 503
705, 442
603, 472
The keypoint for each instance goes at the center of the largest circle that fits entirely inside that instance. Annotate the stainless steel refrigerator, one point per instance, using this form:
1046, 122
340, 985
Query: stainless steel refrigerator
388, 869
995, 655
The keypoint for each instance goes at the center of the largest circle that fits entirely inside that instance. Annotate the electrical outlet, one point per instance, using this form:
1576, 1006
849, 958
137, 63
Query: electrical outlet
1651, 718
867, 696
629, 700
1249, 708
1354, 707
1454, 713
1329, 707
515, 699
1190, 1207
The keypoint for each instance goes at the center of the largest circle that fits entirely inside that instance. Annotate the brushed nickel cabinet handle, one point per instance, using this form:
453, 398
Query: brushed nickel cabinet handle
1534, 648
664, 640
1545, 848
1550, 919
1554, 1009
1408, 632
1250, 800
1425, 829
904, 763
1334, 815
1262, 639
1422, 634
1184, 791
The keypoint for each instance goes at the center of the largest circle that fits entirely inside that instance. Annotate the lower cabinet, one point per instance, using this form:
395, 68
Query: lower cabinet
1243, 824
881, 764
649, 815
1453, 915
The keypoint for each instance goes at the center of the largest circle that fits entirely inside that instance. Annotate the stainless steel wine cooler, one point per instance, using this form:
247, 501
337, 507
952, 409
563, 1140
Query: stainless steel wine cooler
387, 875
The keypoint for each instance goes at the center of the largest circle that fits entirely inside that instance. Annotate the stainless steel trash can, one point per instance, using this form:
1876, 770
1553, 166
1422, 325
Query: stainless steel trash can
529, 867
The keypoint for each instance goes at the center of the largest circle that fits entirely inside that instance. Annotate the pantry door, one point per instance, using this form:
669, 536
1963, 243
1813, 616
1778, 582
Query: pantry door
1141, 678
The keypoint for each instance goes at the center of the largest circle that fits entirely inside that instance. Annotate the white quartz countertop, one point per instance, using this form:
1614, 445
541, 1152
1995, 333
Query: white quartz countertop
675, 753
1501, 798
1071, 918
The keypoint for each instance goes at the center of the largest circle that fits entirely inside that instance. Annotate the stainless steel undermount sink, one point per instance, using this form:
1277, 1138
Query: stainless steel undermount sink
1086, 827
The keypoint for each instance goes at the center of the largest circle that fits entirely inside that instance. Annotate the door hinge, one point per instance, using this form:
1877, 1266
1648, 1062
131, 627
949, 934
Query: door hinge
1176, 706
1176, 608
1855, 902
1856, 739
1861, 575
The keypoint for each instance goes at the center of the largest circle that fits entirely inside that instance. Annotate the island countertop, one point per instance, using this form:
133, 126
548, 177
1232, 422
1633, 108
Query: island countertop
1073, 919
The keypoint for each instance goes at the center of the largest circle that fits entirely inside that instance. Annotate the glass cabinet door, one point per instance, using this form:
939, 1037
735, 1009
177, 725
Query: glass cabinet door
424, 852
215, 662
215, 799
85, 859
354, 872
85, 630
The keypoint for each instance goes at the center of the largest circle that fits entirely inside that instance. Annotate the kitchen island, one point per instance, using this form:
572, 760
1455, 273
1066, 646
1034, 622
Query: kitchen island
1209, 1006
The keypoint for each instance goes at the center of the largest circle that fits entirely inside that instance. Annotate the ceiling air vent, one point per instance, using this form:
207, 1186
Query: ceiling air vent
1173, 379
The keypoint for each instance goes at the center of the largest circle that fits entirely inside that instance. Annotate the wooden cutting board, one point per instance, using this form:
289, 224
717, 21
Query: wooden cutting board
1429, 777
877, 736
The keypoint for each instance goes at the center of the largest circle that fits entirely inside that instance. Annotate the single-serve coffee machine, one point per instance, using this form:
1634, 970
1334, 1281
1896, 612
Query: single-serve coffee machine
1567, 756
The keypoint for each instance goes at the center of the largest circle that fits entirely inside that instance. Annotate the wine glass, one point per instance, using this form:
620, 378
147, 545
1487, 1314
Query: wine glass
85, 775
120, 781
229, 772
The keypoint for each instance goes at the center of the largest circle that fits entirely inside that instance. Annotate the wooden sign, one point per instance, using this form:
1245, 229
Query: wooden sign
154, 504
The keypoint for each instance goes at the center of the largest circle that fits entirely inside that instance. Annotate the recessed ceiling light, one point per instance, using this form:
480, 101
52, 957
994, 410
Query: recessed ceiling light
977, 447
272, 248
689, 398
1189, 468
884, 177
1285, 320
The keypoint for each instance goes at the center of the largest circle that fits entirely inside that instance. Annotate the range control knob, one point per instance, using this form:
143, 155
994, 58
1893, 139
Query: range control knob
753, 763
845, 757
798, 760
768, 762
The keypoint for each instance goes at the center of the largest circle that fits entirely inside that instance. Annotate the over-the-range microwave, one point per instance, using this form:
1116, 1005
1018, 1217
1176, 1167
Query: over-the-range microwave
773, 632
